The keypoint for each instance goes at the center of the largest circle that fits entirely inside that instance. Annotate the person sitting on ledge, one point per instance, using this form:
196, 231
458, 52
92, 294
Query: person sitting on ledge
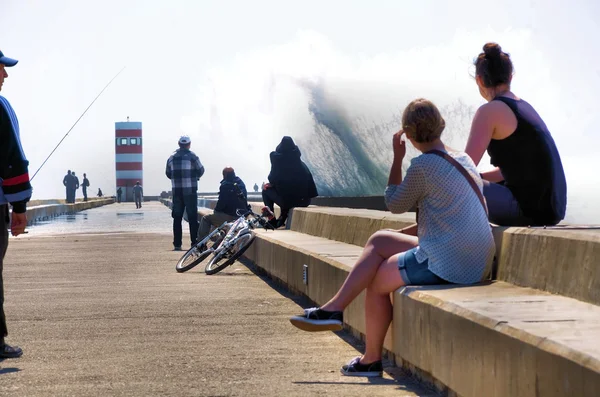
453, 241
290, 182
528, 186
232, 197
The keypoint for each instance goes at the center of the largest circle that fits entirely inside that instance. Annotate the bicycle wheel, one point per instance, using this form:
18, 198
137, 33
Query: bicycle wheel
194, 256
242, 243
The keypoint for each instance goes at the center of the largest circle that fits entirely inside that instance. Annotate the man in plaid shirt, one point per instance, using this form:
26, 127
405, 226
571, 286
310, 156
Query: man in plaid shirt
184, 169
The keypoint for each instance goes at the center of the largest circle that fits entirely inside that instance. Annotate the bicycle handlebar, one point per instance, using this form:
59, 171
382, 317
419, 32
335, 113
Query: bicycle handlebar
257, 218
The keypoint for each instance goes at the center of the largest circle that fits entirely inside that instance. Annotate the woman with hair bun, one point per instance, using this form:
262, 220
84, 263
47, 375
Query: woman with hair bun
528, 186
453, 242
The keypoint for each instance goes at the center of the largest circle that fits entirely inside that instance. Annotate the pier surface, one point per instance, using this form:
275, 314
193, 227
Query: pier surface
95, 302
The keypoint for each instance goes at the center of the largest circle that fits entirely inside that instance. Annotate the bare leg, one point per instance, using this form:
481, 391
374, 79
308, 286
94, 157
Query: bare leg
381, 246
378, 307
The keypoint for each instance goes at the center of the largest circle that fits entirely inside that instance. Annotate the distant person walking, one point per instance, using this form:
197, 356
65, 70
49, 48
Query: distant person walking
69, 183
84, 186
14, 189
256, 187
184, 169
100, 192
138, 194
119, 194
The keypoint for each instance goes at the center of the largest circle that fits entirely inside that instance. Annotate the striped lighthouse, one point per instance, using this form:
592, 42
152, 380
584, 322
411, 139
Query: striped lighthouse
128, 156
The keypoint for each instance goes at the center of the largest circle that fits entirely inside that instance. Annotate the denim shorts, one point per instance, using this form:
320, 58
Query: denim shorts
415, 273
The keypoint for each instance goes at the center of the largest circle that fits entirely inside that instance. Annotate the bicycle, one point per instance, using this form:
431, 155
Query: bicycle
228, 241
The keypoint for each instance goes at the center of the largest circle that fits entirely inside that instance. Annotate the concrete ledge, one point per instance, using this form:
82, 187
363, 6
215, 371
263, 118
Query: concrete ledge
38, 213
352, 226
35, 203
364, 202
166, 202
561, 261
209, 205
499, 340
486, 340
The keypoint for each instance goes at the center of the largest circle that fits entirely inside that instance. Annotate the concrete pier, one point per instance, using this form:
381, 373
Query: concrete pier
97, 306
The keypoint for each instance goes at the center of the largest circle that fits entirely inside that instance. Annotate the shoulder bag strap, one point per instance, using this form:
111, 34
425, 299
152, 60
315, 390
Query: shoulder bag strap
465, 173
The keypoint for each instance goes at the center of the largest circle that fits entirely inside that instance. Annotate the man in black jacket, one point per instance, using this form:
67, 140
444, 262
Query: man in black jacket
232, 197
75, 186
290, 182
84, 185
69, 182
14, 189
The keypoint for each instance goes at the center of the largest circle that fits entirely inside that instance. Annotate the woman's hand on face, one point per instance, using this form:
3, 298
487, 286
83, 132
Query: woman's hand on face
399, 145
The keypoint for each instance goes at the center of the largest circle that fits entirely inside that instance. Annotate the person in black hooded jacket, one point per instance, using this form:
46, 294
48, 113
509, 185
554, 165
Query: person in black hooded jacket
232, 197
290, 182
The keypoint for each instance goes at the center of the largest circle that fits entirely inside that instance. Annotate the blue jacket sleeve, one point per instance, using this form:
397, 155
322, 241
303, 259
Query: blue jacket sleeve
13, 164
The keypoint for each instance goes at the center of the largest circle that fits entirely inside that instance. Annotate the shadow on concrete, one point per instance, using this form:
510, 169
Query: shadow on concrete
8, 370
121, 214
372, 381
277, 285
225, 273
403, 379
379, 382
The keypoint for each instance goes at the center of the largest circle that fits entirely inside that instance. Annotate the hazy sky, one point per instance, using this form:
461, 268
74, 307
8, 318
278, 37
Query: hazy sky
214, 70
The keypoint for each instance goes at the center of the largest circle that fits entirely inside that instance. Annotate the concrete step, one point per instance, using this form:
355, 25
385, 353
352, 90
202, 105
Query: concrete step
496, 339
559, 260
352, 226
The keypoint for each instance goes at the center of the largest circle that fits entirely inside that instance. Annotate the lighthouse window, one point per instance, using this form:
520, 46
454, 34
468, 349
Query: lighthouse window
133, 141
123, 141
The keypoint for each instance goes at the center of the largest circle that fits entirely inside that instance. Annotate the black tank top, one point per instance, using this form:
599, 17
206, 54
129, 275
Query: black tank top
531, 166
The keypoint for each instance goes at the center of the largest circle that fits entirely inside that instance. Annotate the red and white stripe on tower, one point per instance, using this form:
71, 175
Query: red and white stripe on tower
128, 156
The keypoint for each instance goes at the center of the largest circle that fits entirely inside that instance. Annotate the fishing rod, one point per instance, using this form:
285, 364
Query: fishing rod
73, 126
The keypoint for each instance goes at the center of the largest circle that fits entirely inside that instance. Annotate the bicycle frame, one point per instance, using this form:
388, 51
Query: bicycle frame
209, 236
234, 229
237, 228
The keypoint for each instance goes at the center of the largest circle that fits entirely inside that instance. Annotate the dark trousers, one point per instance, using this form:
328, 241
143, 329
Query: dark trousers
71, 195
272, 197
503, 207
118, 198
138, 201
189, 204
215, 219
84, 189
4, 223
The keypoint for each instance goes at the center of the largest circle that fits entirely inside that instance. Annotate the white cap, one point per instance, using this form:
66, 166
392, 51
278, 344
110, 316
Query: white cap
184, 140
